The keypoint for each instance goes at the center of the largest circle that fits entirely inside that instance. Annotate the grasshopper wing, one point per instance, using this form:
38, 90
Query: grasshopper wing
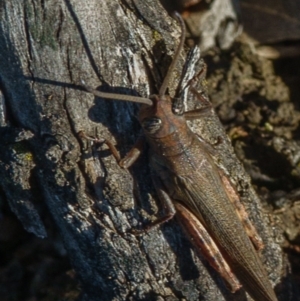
197, 185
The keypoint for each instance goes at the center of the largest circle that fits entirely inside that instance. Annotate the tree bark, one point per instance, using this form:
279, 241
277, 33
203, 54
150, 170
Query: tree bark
125, 47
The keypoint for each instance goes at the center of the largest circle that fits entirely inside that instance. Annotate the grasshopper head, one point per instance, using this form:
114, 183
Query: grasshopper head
159, 119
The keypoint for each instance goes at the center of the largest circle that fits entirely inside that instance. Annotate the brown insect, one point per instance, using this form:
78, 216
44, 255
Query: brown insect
190, 185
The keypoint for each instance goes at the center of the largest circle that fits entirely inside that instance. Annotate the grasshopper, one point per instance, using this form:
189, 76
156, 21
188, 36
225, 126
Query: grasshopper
190, 185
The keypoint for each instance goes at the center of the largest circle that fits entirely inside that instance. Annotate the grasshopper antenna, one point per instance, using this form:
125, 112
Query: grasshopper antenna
164, 86
122, 97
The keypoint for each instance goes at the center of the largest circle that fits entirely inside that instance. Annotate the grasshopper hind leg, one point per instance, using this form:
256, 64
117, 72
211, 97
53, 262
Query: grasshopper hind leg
242, 214
203, 243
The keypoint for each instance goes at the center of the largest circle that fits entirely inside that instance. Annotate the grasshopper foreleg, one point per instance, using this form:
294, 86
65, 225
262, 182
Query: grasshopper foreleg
133, 154
201, 112
203, 242
130, 157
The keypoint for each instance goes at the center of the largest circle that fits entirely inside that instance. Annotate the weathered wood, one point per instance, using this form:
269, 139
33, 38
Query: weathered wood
126, 46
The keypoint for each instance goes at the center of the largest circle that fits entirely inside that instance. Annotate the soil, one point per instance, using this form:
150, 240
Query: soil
257, 100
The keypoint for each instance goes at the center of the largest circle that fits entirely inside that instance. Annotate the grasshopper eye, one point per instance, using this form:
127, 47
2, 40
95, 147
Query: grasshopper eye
151, 125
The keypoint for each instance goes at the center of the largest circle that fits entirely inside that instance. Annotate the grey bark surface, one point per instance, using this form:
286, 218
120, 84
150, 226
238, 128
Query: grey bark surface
124, 46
